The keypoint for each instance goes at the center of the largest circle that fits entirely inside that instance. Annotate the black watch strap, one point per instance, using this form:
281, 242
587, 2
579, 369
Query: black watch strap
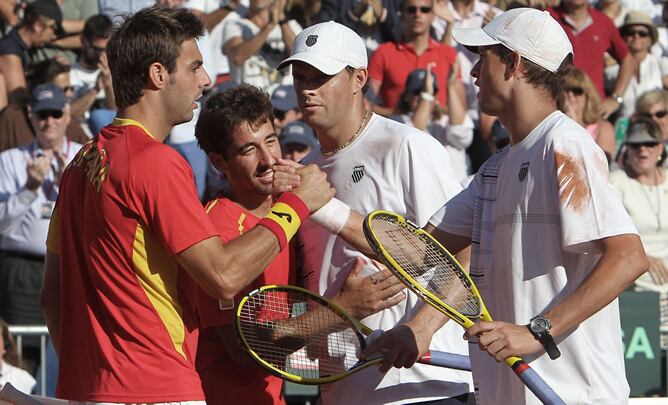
542, 334
550, 347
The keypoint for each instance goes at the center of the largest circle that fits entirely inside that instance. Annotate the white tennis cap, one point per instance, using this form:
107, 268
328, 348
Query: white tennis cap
534, 34
328, 47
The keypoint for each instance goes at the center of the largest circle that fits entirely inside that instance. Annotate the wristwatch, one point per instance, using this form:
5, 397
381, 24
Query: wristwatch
617, 98
540, 326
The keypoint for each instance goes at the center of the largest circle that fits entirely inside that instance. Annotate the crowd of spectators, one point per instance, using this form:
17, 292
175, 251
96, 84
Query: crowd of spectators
56, 93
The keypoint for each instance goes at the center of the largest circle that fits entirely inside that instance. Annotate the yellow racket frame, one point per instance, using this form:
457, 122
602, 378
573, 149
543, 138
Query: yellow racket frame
414, 286
284, 374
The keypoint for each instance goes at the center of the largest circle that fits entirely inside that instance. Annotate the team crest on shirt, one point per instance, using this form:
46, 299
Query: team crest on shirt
358, 173
524, 172
311, 40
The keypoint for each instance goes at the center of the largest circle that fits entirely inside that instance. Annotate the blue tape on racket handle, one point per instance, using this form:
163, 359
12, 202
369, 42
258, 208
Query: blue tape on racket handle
451, 360
539, 387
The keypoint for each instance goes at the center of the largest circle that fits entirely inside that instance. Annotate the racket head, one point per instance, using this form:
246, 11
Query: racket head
424, 266
300, 336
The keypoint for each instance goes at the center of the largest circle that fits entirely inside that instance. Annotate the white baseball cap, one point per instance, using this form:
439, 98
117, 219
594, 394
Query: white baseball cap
328, 47
534, 34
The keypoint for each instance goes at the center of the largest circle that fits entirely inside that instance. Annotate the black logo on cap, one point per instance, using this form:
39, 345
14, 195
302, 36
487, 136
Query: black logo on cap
311, 40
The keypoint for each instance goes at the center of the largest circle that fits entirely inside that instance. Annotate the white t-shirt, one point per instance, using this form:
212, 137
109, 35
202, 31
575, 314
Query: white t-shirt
260, 69
393, 167
218, 61
652, 71
644, 203
455, 139
17, 377
532, 212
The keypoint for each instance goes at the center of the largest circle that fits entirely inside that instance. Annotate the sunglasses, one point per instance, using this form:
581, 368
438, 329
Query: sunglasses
640, 33
67, 88
646, 144
578, 91
45, 114
414, 9
658, 114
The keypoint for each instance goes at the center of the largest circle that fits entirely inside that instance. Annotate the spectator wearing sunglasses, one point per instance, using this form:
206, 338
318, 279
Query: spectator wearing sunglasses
90, 75
29, 181
15, 126
639, 33
644, 190
393, 61
581, 103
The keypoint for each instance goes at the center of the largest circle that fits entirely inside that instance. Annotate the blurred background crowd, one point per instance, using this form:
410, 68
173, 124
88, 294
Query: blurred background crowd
55, 86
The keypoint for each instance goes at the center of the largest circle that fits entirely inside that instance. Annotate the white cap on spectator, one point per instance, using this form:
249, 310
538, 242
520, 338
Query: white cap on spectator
328, 47
534, 34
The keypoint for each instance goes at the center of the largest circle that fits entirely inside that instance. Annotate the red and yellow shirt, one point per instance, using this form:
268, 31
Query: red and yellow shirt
222, 379
127, 205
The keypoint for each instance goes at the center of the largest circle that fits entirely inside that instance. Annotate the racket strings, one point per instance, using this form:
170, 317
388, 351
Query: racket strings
427, 264
298, 335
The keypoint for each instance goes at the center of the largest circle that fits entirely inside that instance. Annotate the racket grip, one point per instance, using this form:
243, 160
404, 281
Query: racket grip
536, 384
443, 359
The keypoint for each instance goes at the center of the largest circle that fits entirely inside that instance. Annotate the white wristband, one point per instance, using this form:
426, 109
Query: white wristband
332, 216
426, 96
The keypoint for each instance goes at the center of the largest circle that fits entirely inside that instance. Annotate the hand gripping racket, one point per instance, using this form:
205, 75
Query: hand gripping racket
303, 337
431, 272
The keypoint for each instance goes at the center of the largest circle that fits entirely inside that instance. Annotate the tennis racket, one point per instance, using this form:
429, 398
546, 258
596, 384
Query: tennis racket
431, 272
305, 338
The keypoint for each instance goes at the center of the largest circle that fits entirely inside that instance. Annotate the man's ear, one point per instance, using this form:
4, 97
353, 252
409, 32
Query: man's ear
361, 76
219, 162
513, 67
158, 76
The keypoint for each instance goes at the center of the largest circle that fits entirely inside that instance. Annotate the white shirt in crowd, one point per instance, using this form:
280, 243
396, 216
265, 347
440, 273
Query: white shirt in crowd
652, 70
17, 377
455, 139
533, 212
644, 204
25, 215
393, 167
259, 69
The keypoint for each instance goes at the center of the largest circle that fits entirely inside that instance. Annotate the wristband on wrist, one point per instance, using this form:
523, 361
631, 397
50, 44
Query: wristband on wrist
285, 217
332, 216
426, 96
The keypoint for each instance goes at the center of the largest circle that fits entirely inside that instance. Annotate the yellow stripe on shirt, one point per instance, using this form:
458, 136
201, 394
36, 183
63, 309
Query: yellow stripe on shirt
157, 274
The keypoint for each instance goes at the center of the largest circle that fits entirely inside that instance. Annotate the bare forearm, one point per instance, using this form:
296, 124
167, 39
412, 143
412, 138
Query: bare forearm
619, 266
456, 102
288, 36
243, 50
353, 234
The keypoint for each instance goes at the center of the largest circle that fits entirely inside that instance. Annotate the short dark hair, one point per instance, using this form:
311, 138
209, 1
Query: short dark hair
153, 34
224, 112
97, 27
45, 71
538, 76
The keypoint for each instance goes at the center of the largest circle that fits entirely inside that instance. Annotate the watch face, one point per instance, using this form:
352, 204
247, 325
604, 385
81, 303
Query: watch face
540, 324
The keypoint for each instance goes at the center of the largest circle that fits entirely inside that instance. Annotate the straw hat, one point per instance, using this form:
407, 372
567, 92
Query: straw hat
640, 18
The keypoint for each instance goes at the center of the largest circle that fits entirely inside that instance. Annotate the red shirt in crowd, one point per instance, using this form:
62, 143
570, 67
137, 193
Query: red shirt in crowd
391, 63
597, 37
